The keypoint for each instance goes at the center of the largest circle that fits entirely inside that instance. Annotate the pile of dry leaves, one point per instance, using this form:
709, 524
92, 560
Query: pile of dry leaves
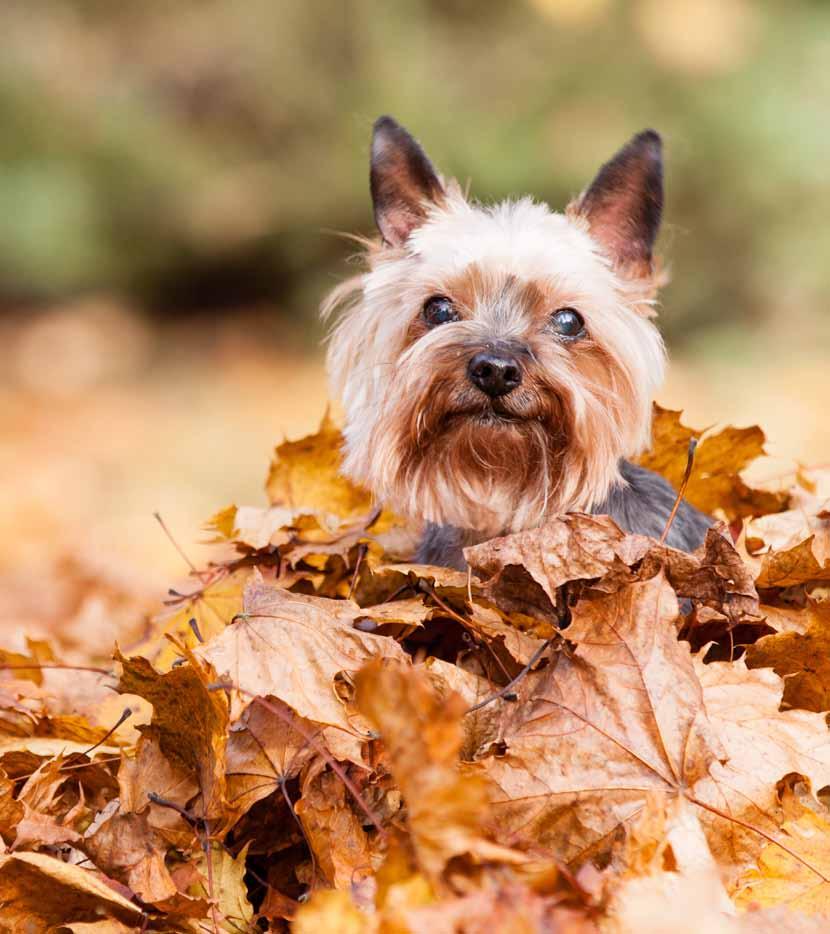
589, 732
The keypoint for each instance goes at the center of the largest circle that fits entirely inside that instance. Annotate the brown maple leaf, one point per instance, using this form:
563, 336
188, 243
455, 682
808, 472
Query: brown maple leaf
627, 715
265, 751
798, 544
292, 647
527, 569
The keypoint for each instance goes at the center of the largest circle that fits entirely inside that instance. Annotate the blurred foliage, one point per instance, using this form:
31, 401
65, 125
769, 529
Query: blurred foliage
195, 154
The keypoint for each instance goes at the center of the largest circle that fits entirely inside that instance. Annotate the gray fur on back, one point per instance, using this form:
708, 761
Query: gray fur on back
642, 504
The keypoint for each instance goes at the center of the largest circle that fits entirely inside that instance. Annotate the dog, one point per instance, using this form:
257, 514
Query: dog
497, 363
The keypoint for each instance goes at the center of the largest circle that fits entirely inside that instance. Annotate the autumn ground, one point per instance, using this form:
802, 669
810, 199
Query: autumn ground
674, 782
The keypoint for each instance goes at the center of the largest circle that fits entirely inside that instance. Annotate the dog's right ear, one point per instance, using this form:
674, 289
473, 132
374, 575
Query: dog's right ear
403, 181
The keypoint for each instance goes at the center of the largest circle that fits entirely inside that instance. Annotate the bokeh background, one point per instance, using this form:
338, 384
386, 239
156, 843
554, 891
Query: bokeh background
173, 175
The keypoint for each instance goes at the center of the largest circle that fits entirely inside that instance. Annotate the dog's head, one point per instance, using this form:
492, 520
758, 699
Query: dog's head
496, 362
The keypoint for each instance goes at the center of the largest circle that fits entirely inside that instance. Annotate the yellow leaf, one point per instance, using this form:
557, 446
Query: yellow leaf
801, 881
332, 912
715, 482
225, 887
305, 476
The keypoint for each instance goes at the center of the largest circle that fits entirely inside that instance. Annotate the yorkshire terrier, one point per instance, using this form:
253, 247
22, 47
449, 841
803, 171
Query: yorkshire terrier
497, 363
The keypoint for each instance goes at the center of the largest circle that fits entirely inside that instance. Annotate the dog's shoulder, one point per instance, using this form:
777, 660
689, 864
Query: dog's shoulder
643, 502
442, 546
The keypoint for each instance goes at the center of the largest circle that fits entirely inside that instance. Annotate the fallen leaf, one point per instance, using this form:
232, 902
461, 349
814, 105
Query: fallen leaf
799, 876
305, 477
265, 751
567, 548
807, 562
422, 736
211, 607
11, 810
150, 772
126, 848
629, 714
334, 830
715, 483
96, 927
189, 721
501, 909
625, 715
802, 659
763, 744
291, 647
521, 636
38, 892
331, 911
225, 888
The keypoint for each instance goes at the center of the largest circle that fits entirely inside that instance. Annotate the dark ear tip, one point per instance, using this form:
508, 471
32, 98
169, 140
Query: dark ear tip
649, 142
386, 124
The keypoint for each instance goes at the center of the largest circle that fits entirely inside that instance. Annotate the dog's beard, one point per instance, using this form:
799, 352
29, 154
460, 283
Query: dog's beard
476, 463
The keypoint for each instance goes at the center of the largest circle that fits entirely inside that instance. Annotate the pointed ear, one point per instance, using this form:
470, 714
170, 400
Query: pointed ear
624, 202
403, 181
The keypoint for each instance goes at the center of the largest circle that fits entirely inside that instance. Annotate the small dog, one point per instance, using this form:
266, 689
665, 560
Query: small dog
497, 364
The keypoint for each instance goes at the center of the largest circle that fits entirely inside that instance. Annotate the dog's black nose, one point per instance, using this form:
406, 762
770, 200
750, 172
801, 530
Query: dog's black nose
495, 374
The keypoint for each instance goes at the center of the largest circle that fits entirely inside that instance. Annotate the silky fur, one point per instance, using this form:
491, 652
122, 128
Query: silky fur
422, 438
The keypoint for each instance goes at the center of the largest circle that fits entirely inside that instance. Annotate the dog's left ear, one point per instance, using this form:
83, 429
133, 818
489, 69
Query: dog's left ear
624, 203
403, 181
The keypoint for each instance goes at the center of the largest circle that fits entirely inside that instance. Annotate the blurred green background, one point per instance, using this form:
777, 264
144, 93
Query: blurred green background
172, 175
192, 155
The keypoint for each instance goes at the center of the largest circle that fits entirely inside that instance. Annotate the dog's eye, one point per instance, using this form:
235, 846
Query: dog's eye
567, 322
439, 310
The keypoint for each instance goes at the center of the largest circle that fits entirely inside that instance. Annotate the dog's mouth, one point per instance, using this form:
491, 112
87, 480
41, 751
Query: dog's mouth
490, 417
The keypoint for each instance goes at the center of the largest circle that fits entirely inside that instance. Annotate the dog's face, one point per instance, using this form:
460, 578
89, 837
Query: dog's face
495, 363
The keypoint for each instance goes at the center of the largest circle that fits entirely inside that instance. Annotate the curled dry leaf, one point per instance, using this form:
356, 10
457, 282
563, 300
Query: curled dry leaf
334, 830
567, 548
802, 659
291, 647
189, 721
715, 483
